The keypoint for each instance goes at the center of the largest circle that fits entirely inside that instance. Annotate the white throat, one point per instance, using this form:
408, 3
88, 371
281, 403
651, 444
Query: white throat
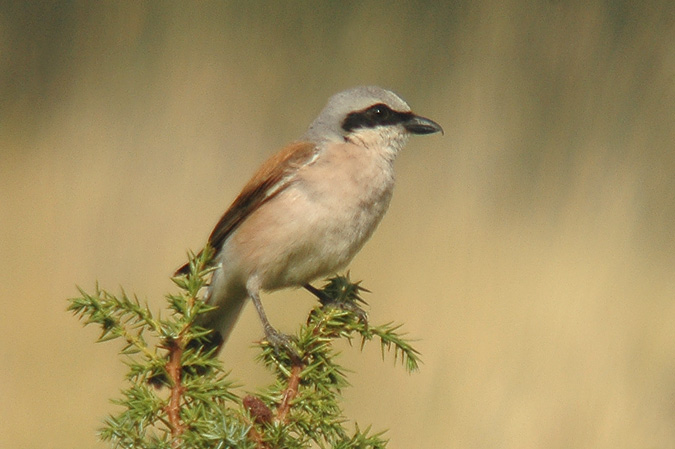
386, 140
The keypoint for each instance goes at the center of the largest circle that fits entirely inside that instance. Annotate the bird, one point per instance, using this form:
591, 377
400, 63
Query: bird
310, 208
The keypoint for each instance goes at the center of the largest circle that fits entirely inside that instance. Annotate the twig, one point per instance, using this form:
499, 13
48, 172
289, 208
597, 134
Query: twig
290, 393
173, 368
255, 436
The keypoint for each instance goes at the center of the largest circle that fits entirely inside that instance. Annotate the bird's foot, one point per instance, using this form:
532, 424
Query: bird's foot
348, 306
341, 294
281, 343
360, 314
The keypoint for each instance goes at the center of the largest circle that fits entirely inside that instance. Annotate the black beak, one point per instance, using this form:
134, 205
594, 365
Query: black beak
420, 125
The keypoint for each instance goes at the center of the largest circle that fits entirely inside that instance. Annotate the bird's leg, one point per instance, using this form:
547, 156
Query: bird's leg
273, 336
328, 301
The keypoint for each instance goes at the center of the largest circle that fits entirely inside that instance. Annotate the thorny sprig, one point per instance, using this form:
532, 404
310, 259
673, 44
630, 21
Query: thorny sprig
177, 394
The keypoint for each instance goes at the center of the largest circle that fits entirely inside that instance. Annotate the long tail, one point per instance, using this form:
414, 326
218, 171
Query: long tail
230, 300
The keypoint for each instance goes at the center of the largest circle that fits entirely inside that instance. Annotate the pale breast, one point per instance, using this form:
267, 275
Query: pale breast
318, 224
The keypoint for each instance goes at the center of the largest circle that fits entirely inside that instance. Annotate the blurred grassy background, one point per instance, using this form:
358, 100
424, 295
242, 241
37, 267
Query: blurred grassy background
531, 249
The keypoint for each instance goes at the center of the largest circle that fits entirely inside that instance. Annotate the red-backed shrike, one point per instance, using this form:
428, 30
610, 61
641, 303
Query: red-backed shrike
310, 208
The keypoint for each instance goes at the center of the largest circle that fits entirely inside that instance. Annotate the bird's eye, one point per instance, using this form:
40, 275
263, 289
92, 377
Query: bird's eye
380, 112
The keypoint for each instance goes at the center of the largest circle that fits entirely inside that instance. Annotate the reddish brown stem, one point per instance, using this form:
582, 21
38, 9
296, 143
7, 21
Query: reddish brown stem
255, 436
290, 393
173, 368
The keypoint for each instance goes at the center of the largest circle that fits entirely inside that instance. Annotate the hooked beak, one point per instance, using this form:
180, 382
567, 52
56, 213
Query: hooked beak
421, 125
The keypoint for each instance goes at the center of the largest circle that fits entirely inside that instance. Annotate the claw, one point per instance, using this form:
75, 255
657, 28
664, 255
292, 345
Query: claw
281, 343
351, 307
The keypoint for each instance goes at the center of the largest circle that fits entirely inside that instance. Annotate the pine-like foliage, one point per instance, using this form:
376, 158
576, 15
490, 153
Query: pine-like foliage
178, 395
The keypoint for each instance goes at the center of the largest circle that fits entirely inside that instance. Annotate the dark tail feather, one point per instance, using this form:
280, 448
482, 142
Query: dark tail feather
185, 269
212, 341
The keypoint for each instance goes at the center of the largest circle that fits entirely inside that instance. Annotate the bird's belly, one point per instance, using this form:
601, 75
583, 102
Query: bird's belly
298, 237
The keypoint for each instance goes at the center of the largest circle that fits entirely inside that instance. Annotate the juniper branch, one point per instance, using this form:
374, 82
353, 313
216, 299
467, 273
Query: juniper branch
300, 409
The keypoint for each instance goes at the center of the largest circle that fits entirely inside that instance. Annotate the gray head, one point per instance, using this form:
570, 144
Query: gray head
368, 114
